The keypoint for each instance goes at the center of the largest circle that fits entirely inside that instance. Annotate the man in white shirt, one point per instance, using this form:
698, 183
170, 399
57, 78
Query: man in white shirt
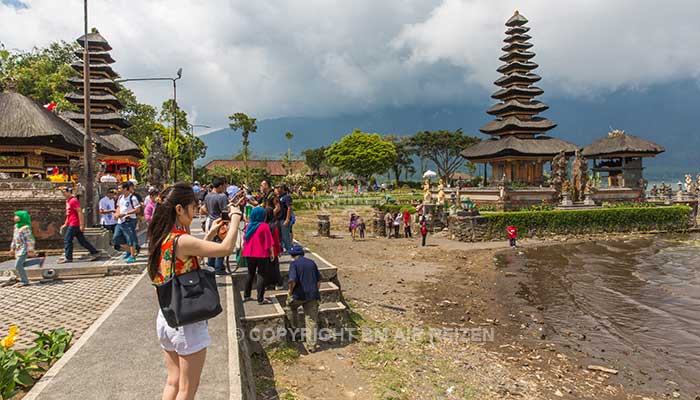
125, 232
107, 211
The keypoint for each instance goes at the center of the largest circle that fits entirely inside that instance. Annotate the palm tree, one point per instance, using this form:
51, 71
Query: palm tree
246, 125
289, 135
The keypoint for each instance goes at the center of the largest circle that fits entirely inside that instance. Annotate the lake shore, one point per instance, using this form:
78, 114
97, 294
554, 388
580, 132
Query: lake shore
489, 341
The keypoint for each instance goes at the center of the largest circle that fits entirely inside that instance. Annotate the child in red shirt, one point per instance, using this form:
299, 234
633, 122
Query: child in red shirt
512, 235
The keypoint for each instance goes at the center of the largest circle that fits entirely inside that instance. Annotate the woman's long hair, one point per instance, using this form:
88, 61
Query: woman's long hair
163, 220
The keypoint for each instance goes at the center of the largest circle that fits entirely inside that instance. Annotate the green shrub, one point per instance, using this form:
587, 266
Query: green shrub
530, 223
394, 208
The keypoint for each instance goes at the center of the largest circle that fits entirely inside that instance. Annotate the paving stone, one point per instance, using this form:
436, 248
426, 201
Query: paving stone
73, 305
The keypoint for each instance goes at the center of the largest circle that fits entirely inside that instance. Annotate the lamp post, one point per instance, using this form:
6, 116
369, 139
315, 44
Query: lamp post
192, 147
87, 139
174, 80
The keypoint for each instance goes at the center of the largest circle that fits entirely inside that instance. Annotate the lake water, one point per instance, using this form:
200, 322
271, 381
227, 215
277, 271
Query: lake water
631, 304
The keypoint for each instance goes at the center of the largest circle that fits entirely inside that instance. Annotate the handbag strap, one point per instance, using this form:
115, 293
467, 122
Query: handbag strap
172, 261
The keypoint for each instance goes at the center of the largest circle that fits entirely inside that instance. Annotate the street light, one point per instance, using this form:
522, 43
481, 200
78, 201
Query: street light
179, 75
192, 147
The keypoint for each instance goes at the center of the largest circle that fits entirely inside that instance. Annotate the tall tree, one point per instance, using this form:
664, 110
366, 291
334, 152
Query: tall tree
362, 154
443, 148
41, 74
246, 125
404, 155
315, 159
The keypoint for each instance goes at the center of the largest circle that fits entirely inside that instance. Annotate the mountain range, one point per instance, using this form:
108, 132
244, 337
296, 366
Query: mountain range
664, 113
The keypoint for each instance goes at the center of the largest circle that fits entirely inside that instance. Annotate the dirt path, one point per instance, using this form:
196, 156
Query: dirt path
456, 327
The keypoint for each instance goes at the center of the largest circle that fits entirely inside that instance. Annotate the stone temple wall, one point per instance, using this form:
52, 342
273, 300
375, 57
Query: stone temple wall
45, 204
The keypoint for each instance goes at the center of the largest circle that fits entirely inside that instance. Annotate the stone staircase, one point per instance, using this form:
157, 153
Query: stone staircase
272, 320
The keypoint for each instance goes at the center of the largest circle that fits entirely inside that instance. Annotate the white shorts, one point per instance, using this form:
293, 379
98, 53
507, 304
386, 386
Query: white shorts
185, 340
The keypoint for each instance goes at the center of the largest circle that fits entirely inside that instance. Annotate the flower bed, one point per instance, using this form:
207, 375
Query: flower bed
19, 370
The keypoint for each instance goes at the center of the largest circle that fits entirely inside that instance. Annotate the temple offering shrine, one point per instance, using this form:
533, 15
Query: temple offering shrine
618, 165
517, 150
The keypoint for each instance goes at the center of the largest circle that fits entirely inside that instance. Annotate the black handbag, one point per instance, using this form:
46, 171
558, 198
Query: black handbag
190, 297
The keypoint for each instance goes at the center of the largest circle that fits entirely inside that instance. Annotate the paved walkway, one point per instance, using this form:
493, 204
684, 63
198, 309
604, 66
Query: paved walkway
120, 358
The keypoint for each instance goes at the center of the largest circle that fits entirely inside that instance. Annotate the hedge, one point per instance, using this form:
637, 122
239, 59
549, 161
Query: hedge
530, 223
394, 208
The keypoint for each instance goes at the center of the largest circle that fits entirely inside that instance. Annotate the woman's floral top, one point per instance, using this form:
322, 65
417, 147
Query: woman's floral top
166, 258
22, 241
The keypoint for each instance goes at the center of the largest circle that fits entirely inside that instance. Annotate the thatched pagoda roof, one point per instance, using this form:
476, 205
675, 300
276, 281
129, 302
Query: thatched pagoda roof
24, 122
77, 81
512, 106
620, 143
109, 117
106, 68
79, 98
516, 20
121, 144
95, 41
543, 146
513, 91
96, 56
511, 123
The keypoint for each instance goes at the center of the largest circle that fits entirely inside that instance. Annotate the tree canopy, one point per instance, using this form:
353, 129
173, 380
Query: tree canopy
404, 155
443, 148
41, 74
362, 154
315, 159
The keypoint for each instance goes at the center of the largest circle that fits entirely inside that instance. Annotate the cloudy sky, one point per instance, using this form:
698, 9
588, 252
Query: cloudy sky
274, 58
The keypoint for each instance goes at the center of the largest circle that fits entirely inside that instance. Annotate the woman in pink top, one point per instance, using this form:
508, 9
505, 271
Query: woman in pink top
258, 249
151, 206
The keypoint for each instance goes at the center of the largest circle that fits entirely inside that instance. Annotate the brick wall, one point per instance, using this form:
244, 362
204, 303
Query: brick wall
45, 204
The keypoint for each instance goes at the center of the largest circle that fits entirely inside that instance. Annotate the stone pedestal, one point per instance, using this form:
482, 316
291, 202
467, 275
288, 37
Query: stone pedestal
100, 238
324, 225
566, 200
378, 224
588, 201
468, 228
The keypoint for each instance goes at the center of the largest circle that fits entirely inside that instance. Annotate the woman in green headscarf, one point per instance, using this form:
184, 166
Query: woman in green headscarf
23, 245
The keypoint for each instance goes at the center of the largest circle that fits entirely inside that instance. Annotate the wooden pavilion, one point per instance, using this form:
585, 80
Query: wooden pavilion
618, 159
517, 151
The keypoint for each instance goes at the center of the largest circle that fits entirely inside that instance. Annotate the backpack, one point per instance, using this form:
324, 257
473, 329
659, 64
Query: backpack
139, 200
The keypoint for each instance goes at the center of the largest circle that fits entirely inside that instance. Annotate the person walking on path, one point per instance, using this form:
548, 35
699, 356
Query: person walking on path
407, 224
124, 235
423, 229
388, 224
151, 205
259, 253
304, 285
215, 204
184, 348
352, 227
397, 224
22, 246
512, 235
107, 210
73, 228
361, 227
285, 217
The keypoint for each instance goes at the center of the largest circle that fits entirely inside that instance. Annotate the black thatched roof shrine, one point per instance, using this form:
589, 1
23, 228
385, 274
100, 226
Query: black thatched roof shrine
24, 122
620, 144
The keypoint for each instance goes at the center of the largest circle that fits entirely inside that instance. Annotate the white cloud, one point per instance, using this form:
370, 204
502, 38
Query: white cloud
273, 58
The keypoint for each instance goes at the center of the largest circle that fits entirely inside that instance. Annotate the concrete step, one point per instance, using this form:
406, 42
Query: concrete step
329, 293
328, 273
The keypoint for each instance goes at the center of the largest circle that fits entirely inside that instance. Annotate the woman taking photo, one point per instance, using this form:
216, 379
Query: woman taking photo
184, 347
259, 254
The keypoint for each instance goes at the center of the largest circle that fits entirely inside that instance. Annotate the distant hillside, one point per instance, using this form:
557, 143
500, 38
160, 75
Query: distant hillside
666, 114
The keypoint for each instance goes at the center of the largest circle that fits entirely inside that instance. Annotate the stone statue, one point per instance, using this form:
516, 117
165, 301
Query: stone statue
688, 183
441, 192
579, 176
427, 197
588, 190
502, 193
559, 172
654, 191
156, 163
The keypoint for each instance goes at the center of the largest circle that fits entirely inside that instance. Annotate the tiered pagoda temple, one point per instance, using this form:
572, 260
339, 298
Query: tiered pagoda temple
120, 154
517, 151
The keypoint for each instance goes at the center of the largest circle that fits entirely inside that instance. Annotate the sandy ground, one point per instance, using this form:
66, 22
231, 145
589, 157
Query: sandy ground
485, 341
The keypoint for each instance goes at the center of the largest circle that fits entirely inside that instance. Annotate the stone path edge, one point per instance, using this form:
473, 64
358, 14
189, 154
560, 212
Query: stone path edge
56, 368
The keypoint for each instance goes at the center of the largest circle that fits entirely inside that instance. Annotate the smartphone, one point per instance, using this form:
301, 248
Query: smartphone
225, 216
